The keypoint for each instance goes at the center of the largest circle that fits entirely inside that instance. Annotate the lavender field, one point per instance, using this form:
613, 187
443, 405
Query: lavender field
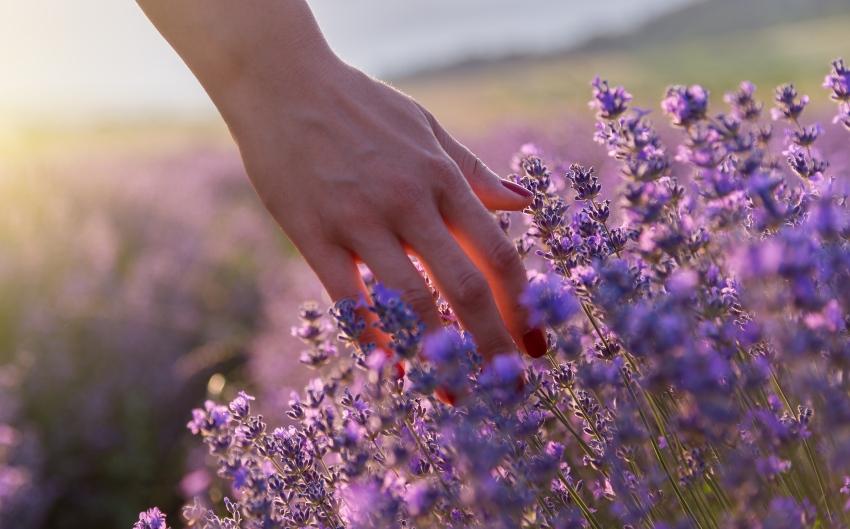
121, 298
196, 288
696, 371
690, 266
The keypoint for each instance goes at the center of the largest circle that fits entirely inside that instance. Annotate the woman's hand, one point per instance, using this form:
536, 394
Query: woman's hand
354, 170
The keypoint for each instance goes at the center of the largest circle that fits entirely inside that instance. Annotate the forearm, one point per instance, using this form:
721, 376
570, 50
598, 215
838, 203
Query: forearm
236, 48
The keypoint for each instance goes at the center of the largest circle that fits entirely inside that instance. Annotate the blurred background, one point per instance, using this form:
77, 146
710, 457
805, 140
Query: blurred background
139, 274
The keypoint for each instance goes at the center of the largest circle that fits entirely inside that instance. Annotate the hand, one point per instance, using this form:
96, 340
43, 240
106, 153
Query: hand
354, 170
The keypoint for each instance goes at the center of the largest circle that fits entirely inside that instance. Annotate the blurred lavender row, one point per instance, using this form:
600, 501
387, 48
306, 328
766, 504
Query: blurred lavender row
125, 285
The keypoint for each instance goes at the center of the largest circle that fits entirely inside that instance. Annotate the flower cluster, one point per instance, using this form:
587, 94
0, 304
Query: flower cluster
151, 519
698, 374
838, 82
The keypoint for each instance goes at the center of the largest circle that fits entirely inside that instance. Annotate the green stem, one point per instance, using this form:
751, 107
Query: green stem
607, 233
807, 448
321, 505
427, 455
565, 421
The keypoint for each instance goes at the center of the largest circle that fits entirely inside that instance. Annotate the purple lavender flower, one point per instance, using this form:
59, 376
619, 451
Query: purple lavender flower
421, 497
548, 302
350, 324
843, 116
502, 381
398, 320
805, 136
447, 346
210, 419
633, 141
240, 407
609, 103
789, 105
151, 519
804, 163
786, 513
838, 81
743, 103
452, 355
685, 105
584, 181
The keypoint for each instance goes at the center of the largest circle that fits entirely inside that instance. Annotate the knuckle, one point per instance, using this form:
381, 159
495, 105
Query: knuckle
469, 163
406, 198
474, 163
442, 166
420, 299
346, 212
453, 189
351, 225
504, 258
428, 115
472, 290
495, 343
363, 237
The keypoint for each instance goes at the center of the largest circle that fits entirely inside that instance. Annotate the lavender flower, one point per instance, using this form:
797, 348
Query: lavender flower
151, 519
789, 105
743, 103
584, 181
805, 136
697, 374
548, 302
609, 103
685, 104
838, 81
843, 116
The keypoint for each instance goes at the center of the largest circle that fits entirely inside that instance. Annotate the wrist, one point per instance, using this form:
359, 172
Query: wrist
239, 50
270, 81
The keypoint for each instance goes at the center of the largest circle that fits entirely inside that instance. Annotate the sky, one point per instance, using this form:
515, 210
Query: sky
80, 59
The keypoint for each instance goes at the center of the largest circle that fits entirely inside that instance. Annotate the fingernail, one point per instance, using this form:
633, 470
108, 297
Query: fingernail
445, 396
516, 188
535, 343
520, 383
399, 370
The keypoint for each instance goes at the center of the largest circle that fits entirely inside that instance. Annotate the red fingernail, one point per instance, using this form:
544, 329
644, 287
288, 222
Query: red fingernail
516, 188
445, 396
520, 383
535, 343
399, 370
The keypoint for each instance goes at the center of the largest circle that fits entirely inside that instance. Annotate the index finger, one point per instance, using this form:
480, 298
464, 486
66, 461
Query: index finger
496, 256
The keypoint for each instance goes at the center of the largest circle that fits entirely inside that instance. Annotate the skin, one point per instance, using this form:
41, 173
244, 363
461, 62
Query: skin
354, 170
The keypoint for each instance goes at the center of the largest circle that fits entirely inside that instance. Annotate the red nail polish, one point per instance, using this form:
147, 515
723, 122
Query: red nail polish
516, 188
445, 396
399, 370
520, 383
535, 343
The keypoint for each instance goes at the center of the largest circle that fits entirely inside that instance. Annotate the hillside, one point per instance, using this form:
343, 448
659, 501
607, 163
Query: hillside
475, 98
716, 18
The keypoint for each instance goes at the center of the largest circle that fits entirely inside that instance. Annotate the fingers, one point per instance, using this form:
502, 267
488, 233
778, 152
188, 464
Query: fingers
386, 258
495, 255
460, 282
494, 192
338, 273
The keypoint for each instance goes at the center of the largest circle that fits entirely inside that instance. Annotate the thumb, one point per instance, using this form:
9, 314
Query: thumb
494, 192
